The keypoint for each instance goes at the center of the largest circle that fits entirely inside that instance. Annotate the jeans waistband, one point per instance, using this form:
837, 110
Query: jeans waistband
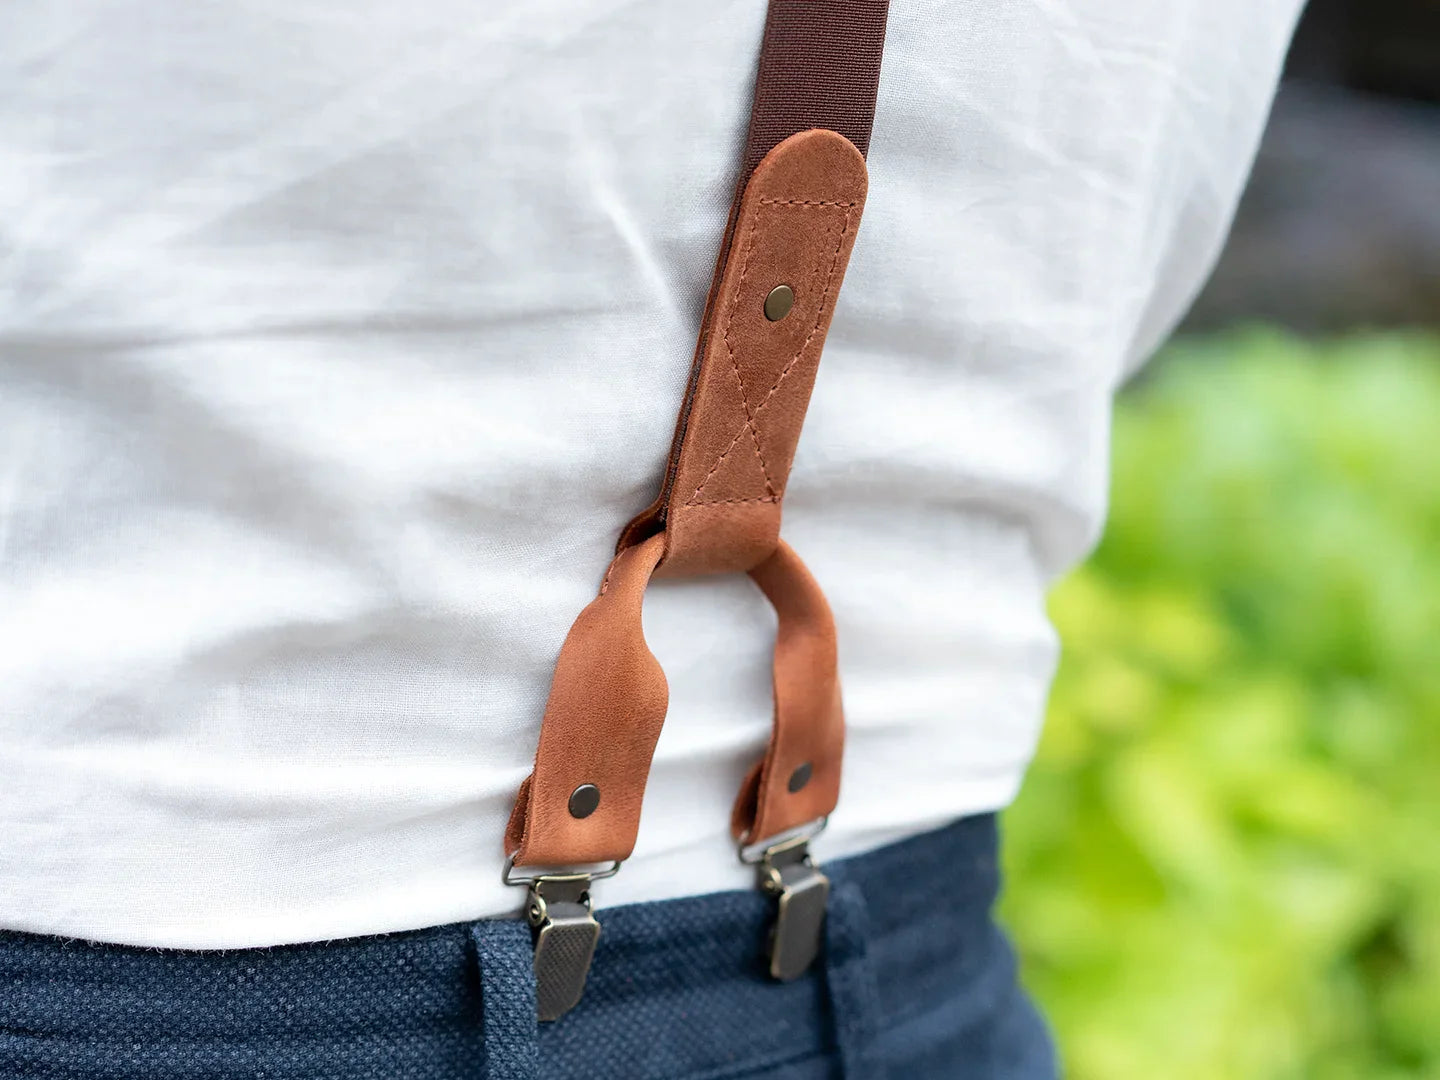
677, 988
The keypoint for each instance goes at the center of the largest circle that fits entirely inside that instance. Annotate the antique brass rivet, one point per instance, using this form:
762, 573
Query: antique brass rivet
800, 777
583, 800
779, 302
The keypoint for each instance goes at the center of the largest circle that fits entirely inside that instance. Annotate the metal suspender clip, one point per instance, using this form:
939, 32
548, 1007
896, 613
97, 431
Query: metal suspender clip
565, 932
787, 873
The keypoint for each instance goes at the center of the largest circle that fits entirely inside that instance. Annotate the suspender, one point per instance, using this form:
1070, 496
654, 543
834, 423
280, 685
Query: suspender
792, 225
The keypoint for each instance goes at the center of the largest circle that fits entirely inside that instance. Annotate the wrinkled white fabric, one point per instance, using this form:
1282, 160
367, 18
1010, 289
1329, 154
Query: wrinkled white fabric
338, 338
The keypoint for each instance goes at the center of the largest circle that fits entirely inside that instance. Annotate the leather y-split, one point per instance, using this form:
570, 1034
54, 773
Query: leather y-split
722, 514
791, 229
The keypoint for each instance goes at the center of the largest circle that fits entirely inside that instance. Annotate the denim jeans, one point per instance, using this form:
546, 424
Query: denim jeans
916, 982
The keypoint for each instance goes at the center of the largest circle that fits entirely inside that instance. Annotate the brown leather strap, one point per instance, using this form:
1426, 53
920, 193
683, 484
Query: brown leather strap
798, 780
819, 68
793, 224
607, 704
795, 229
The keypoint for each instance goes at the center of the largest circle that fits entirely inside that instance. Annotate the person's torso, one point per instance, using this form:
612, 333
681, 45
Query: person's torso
337, 343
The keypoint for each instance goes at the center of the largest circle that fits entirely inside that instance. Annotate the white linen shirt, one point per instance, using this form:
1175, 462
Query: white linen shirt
338, 339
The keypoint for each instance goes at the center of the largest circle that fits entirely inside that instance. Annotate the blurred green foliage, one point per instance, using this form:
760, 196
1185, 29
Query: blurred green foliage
1225, 862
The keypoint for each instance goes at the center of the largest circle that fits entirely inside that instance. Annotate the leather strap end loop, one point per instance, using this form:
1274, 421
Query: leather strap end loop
808, 739
607, 704
730, 463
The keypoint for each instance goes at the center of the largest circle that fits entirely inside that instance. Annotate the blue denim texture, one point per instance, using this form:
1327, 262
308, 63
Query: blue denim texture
916, 983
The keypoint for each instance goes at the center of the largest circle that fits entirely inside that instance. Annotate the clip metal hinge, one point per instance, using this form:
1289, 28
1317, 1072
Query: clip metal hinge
801, 891
565, 932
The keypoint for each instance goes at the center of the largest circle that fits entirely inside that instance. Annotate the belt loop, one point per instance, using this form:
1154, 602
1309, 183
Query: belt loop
507, 1000
850, 978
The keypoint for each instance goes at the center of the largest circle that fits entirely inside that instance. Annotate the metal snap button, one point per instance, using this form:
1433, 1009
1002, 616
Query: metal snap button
779, 302
800, 777
584, 800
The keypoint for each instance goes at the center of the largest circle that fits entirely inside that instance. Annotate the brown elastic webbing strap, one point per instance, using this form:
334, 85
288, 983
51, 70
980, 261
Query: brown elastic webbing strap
819, 68
793, 222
